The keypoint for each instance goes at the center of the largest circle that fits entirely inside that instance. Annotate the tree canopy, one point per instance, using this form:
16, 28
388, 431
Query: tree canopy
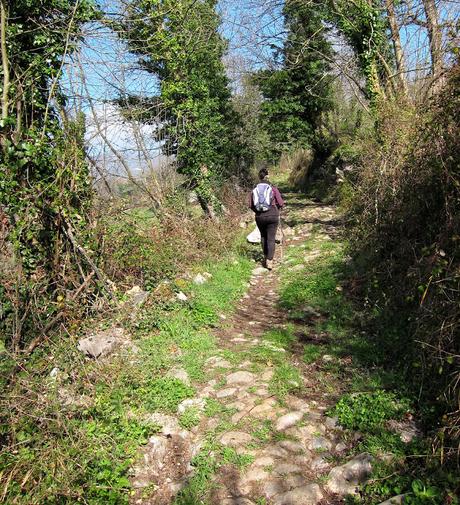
179, 43
299, 91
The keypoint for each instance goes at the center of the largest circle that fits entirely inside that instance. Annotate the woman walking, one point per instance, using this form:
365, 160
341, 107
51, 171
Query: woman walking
266, 202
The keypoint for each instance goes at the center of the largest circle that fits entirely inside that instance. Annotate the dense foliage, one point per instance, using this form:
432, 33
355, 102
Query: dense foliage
299, 91
179, 43
44, 180
405, 207
364, 26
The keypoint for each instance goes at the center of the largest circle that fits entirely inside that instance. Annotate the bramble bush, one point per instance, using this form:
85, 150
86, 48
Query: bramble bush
405, 237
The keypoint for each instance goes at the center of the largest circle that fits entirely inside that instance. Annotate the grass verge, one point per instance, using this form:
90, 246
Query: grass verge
364, 375
71, 427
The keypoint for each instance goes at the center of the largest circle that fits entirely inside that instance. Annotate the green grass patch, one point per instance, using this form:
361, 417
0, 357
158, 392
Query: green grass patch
271, 351
190, 418
286, 379
264, 432
218, 294
165, 394
369, 411
280, 337
311, 353
317, 292
265, 355
214, 408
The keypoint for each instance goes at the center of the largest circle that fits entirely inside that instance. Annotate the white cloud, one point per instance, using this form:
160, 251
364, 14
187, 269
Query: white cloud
112, 141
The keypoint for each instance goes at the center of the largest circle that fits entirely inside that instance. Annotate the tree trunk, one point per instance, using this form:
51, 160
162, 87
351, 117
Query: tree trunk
5, 62
435, 37
396, 39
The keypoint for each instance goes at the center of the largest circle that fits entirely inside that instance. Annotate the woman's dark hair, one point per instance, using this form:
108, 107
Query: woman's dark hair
263, 172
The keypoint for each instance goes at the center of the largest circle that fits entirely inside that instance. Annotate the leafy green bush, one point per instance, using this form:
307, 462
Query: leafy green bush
404, 203
190, 418
132, 252
203, 314
165, 393
368, 411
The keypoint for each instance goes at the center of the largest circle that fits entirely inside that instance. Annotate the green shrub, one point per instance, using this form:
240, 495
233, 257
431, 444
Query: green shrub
134, 254
165, 393
369, 411
190, 418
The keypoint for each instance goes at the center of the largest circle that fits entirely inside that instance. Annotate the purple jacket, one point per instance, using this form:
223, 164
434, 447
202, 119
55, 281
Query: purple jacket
277, 199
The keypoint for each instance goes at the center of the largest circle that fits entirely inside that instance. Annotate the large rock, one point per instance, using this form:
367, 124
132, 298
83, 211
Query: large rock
181, 296
218, 362
197, 403
199, 279
331, 422
169, 425
319, 463
286, 468
102, 343
235, 438
179, 373
288, 420
407, 429
224, 393
287, 230
202, 278
254, 236
241, 378
304, 495
292, 446
193, 198
344, 479
259, 271
265, 410
136, 296
251, 479
320, 444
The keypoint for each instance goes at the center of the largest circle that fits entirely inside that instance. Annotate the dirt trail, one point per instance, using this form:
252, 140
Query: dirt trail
292, 443
289, 468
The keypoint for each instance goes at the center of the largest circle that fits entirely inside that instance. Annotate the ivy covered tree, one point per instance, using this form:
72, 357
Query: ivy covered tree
45, 188
364, 25
179, 43
299, 90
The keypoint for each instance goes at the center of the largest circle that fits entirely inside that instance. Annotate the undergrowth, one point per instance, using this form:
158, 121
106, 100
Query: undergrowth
403, 205
72, 436
367, 411
212, 456
367, 376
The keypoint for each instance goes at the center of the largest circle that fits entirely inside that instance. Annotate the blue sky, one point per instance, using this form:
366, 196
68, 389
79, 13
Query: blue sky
109, 68
250, 26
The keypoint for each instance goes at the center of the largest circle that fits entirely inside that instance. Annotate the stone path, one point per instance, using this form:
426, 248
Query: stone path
292, 443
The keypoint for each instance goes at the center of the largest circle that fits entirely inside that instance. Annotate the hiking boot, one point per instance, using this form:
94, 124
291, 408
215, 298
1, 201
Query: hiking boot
269, 264
264, 262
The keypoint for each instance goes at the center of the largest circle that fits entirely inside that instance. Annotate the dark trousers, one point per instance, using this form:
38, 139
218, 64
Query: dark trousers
267, 222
